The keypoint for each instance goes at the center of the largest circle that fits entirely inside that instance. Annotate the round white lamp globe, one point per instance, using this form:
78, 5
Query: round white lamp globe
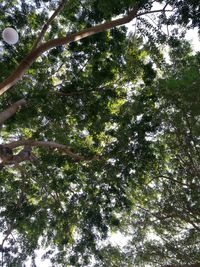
10, 36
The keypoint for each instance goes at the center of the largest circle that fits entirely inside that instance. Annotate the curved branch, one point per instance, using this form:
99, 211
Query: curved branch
9, 112
48, 144
34, 54
38, 51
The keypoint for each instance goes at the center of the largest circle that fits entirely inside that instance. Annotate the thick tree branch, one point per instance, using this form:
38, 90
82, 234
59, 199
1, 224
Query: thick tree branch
38, 51
48, 144
33, 55
9, 112
47, 24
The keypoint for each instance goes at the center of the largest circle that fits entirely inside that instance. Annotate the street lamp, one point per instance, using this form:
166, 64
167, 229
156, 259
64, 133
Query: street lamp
10, 36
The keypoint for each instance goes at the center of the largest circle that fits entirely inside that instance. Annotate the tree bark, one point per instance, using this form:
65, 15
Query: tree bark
9, 112
34, 54
48, 144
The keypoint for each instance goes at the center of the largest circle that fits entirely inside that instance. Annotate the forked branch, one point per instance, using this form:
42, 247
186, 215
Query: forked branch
47, 24
48, 144
38, 51
34, 54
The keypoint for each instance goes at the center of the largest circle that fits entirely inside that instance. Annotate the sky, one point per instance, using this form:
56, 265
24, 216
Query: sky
193, 38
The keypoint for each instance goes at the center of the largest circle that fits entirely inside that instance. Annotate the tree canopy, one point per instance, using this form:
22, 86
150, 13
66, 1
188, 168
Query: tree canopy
100, 133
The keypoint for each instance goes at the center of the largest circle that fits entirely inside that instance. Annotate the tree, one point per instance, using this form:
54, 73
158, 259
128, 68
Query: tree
74, 153
165, 215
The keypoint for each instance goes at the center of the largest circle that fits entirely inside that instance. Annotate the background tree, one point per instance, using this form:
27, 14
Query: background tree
164, 220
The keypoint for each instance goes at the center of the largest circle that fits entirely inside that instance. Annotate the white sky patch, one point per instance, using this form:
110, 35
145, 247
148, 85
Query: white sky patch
118, 239
39, 254
193, 37
39, 261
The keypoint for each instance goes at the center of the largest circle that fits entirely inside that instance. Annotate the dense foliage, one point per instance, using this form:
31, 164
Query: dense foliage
100, 135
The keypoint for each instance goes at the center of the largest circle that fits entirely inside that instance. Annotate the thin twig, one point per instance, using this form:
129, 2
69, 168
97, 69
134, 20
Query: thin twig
153, 11
153, 21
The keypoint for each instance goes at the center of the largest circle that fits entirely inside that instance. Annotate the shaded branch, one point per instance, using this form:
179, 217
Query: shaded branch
9, 112
48, 144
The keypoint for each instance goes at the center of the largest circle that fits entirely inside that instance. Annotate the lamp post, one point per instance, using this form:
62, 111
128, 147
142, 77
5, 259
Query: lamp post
10, 36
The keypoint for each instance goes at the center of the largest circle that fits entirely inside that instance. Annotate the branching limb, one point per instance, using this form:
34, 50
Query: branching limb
47, 24
165, 6
34, 54
48, 144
